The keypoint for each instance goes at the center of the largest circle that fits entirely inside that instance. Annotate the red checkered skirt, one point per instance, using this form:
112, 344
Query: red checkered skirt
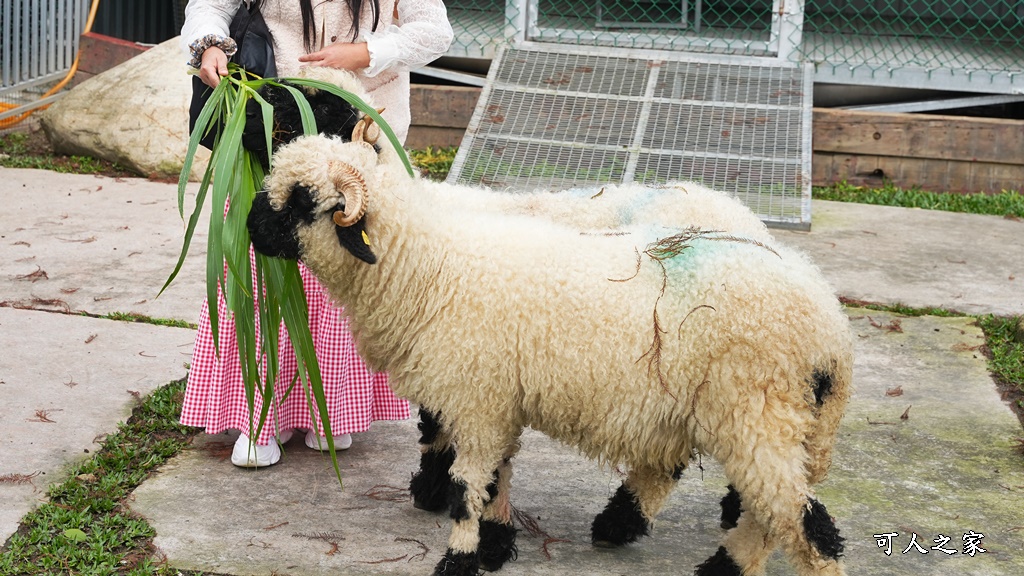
356, 396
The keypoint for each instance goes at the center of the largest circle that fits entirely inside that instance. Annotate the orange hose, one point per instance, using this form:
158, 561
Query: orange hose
8, 122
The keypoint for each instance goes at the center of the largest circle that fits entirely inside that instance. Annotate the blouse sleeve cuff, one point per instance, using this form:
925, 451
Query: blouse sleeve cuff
199, 46
384, 52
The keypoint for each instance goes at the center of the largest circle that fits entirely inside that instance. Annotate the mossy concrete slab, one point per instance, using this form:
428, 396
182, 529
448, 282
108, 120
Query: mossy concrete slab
950, 467
65, 383
922, 258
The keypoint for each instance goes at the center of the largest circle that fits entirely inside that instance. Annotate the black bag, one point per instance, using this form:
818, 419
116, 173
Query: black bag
255, 54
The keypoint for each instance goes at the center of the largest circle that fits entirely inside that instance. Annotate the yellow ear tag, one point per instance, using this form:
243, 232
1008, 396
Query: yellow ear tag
366, 239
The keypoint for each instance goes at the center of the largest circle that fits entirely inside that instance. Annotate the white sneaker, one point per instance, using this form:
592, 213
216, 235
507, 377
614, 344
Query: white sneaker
247, 455
342, 442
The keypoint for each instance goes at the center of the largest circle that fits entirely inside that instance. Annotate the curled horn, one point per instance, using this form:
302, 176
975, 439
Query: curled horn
366, 130
350, 183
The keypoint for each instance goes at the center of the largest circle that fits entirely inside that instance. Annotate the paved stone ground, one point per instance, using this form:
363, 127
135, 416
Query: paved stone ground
950, 467
74, 243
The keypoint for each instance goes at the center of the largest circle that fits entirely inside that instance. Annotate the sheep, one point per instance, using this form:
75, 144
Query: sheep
635, 349
602, 209
597, 210
612, 206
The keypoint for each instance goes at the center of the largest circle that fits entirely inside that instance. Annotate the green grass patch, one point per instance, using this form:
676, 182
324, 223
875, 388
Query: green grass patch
1007, 203
1004, 337
434, 163
86, 527
31, 150
1004, 344
143, 319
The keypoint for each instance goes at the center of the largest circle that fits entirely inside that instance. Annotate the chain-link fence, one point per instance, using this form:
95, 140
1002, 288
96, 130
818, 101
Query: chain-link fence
972, 45
975, 45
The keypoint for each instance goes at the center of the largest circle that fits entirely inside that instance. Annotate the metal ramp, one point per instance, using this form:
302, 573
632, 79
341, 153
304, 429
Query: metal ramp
553, 118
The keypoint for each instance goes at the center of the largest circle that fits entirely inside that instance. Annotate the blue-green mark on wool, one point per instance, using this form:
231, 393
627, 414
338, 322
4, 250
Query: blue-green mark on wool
670, 247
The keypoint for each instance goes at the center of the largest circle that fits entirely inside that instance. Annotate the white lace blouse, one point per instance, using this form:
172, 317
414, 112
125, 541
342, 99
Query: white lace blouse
421, 34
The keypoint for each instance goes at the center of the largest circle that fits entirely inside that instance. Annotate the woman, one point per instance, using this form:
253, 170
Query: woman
379, 41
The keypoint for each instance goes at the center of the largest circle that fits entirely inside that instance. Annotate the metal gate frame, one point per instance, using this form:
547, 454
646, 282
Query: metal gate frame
784, 35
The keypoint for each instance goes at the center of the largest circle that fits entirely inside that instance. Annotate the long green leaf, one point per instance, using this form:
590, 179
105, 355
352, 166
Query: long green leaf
365, 108
190, 227
212, 109
295, 312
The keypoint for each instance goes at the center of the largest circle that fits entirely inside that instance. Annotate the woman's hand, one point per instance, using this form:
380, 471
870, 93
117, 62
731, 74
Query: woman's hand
342, 55
215, 65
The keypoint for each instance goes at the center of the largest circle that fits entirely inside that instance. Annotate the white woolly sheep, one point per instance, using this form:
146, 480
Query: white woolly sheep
596, 210
636, 348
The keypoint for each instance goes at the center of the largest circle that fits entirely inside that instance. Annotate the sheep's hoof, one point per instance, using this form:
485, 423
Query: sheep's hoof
497, 545
721, 564
458, 564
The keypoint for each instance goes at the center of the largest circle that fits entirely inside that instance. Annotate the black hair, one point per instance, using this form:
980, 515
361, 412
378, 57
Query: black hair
309, 31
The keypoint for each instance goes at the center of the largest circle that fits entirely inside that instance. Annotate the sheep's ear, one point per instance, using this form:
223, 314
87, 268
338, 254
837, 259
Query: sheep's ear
272, 232
354, 239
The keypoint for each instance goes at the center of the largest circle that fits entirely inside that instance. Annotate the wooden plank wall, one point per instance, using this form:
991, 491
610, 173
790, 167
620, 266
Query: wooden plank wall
440, 114
930, 152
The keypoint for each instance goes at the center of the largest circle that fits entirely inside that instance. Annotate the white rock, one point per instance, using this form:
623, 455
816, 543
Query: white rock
135, 114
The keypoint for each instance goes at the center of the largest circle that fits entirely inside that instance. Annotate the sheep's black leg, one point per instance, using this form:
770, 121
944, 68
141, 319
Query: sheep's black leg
497, 535
721, 564
631, 510
621, 522
458, 564
777, 509
432, 482
486, 448
458, 560
731, 508
497, 545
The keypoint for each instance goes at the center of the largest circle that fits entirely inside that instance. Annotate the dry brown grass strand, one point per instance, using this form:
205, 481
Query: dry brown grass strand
16, 478
387, 493
693, 401
679, 331
322, 536
528, 523
544, 548
635, 274
422, 554
674, 245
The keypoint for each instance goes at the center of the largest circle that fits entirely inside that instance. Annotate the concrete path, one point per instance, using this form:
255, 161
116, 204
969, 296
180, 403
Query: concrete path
86, 244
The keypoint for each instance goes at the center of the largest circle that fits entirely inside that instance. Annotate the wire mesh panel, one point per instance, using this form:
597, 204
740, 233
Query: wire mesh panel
481, 26
554, 120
